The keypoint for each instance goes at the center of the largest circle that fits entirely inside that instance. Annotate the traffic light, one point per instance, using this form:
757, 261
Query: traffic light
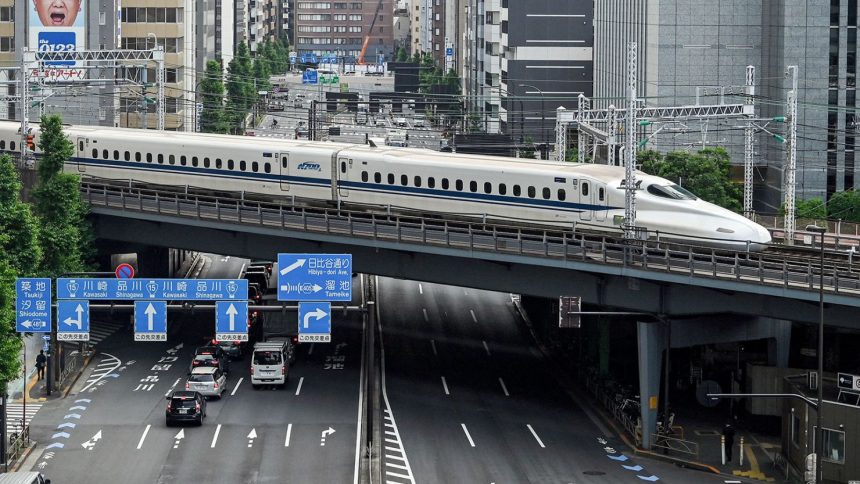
31, 143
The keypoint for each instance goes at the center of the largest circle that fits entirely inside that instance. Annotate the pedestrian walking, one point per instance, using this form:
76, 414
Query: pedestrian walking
41, 360
729, 434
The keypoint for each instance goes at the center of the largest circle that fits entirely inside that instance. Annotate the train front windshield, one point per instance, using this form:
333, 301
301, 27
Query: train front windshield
675, 192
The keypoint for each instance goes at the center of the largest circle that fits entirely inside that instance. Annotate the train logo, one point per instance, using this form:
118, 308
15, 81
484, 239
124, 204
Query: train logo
309, 166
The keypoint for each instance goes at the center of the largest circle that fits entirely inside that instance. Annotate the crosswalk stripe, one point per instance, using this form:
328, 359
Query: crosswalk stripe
15, 412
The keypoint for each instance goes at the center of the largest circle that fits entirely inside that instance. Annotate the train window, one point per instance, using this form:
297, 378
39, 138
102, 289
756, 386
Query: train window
230, 164
459, 185
127, 156
3, 144
584, 189
11, 146
431, 182
601, 194
218, 163
160, 159
364, 176
531, 192
417, 181
194, 161
445, 184
116, 154
284, 159
149, 157
95, 151
502, 189
561, 195
377, 177
243, 165
267, 167
391, 179
671, 191
343, 166
80, 145
255, 167
473, 186
183, 160
404, 180
546, 193
488, 187
517, 191
137, 156
105, 154
171, 159
206, 162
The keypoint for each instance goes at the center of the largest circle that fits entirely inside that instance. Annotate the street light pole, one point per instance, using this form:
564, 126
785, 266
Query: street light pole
819, 434
542, 115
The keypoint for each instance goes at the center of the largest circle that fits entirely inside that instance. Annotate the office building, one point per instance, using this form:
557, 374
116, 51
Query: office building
341, 28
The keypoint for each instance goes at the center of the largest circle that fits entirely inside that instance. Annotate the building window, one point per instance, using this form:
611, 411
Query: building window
795, 429
834, 446
7, 14
7, 44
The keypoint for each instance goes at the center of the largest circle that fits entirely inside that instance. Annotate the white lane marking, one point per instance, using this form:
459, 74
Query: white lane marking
466, 292
445, 386
143, 437
433, 345
472, 312
468, 436
311, 349
289, 431
299, 388
241, 270
215, 437
394, 474
536, 436
107, 358
172, 387
486, 348
392, 464
420, 288
504, 388
426, 319
236, 388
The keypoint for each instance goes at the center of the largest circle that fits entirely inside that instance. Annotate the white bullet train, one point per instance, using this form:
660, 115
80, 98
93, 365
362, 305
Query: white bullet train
533, 192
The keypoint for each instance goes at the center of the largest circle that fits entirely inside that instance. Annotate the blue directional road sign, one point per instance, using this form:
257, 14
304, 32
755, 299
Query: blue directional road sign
33, 305
314, 277
153, 289
231, 320
315, 322
150, 320
73, 320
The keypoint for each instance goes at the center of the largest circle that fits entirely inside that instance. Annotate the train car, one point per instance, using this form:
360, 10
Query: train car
528, 192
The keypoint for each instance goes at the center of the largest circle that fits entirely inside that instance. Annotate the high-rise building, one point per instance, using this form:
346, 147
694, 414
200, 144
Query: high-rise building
341, 28
683, 46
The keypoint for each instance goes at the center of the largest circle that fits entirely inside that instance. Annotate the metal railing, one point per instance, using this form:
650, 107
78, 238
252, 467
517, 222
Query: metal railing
778, 267
19, 439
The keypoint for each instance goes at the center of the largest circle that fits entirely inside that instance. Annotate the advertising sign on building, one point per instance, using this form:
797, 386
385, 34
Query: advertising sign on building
57, 26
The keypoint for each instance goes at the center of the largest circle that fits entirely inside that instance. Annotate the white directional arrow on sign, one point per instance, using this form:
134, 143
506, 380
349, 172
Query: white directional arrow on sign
231, 311
150, 313
316, 314
295, 265
76, 322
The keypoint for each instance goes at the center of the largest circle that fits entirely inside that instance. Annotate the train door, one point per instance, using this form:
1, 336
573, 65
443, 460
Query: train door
599, 201
82, 151
284, 161
585, 199
343, 167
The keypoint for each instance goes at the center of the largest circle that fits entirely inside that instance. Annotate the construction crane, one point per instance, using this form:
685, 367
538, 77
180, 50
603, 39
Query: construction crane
369, 33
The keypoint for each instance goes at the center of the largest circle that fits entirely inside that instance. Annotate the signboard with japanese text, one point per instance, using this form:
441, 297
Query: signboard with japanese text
153, 289
314, 277
57, 26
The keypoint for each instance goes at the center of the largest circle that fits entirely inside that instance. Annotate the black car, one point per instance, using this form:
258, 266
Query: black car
210, 355
185, 406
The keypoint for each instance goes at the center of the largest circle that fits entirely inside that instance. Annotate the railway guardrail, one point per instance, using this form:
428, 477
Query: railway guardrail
775, 268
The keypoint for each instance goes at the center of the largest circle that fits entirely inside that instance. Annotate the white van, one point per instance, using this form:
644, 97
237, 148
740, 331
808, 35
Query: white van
270, 364
25, 477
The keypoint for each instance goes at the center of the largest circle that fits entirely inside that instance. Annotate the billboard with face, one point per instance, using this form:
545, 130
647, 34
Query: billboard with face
58, 26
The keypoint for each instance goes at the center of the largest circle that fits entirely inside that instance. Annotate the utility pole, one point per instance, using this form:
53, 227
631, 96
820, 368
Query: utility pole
611, 134
582, 103
630, 146
791, 157
749, 133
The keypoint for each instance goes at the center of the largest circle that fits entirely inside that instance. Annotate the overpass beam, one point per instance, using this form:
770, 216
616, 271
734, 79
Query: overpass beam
651, 341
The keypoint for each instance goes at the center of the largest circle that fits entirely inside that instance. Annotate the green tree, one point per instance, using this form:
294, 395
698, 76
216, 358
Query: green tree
402, 55
844, 206
261, 73
813, 208
240, 88
213, 118
10, 341
705, 173
65, 235
20, 245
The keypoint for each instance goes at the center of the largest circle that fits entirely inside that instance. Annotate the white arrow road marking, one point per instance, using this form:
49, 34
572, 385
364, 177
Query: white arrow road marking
236, 387
426, 319
472, 312
102, 372
150, 314
536, 436
325, 433
251, 436
83, 400
232, 312
468, 436
486, 348
78, 407
215, 437
299, 388
90, 444
445, 386
433, 345
311, 349
55, 445
64, 435
504, 388
73, 415
66, 425
143, 437
289, 432
178, 438
295, 265
637, 468
420, 288
316, 314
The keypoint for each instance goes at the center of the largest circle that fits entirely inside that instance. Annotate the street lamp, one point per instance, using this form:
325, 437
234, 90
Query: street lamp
819, 434
542, 115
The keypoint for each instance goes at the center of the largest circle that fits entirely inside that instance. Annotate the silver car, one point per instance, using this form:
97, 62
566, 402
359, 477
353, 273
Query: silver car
208, 381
